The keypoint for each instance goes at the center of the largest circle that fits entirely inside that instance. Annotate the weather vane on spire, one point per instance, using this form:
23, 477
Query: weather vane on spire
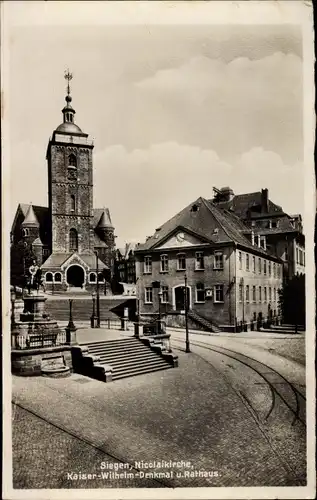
68, 76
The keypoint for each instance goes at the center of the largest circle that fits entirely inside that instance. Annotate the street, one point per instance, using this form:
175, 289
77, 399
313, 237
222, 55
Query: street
232, 413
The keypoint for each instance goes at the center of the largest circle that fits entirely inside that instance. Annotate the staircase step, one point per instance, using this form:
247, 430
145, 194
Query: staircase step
131, 365
131, 369
139, 372
117, 351
113, 359
109, 343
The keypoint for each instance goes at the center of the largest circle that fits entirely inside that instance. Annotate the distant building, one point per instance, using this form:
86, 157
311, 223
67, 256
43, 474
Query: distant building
229, 278
125, 264
65, 235
279, 233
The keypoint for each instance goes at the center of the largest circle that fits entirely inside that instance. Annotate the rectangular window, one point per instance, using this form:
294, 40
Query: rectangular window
148, 295
164, 264
240, 260
274, 292
253, 259
247, 262
199, 262
260, 294
265, 294
181, 262
247, 293
264, 266
269, 268
218, 260
270, 294
254, 294
200, 292
147, 264
260, 266
164, 295
240, 293
218, 293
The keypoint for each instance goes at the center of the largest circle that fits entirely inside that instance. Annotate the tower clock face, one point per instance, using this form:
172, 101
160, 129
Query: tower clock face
180, 237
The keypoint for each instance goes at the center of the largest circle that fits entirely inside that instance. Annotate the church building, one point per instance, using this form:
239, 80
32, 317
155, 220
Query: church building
73, 242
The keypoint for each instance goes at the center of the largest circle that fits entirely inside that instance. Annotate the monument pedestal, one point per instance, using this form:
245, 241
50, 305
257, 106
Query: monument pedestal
36, 339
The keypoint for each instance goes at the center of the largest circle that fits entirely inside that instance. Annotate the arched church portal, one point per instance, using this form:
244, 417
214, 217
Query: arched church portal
75, 276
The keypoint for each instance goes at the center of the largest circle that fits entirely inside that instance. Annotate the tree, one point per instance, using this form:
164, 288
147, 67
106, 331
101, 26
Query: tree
292, 301
21, 257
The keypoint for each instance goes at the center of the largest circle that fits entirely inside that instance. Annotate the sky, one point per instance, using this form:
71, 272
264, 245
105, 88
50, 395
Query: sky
173, 111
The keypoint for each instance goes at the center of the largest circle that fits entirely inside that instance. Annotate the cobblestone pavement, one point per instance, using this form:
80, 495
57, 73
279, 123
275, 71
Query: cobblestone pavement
191, 413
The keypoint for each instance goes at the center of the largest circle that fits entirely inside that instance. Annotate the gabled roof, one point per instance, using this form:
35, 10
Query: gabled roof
241, 203
208, 222
55, 260
58, 259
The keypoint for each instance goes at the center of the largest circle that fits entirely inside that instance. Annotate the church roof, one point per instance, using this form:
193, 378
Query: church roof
37, 242
69, 128
56, 260
30, 218
99, 242
102, 218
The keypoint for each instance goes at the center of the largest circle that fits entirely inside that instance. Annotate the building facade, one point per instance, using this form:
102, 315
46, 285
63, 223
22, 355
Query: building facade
229, 280
73, 243
277, 232
125, 264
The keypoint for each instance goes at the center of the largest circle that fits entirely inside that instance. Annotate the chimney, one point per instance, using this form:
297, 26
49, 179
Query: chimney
259, 241
265, 200
252, 237
226, 194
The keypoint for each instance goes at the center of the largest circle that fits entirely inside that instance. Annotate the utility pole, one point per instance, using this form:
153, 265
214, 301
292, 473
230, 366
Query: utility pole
186, 315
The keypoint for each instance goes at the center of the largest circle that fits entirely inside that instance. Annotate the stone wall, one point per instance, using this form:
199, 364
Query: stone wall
28, 362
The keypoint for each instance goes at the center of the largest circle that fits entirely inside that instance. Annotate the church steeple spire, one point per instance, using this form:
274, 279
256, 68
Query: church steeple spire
68, 110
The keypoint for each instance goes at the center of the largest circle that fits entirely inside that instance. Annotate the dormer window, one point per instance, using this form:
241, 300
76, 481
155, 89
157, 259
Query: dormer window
194, 208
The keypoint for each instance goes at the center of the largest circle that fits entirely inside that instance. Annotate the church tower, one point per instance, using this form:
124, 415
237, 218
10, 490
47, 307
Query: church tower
70, 185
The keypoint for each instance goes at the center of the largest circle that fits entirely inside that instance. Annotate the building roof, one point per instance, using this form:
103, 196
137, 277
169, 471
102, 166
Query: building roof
30, 218
102, 215
58, 259
242, 203
41, 213
208, 222
69, 128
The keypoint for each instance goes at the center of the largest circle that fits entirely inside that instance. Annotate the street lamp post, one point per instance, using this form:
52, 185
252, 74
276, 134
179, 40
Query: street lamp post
71, 328
160, 293
186, 315
97, 290
93, 316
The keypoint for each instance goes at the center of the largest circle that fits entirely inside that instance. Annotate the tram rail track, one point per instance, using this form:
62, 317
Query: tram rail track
254, 365
288, 464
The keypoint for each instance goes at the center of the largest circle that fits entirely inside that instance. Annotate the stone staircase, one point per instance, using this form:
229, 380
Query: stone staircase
82, 308
205, 323
126, 357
